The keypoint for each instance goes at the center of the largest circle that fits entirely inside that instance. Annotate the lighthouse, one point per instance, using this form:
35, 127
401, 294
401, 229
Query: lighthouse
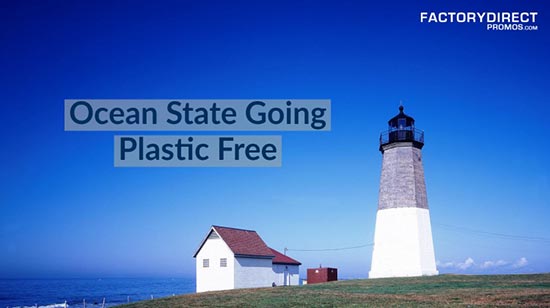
403, 244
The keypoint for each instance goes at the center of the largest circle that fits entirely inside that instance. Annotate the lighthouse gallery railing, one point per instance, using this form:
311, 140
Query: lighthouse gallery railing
404, 134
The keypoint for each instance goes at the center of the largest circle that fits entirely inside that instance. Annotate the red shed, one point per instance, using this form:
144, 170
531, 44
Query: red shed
321, 274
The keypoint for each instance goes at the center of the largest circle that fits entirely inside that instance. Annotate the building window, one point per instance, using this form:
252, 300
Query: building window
223, 262
205, 262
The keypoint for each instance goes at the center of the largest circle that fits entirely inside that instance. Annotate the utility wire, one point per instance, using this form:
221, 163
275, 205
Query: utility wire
495, 234
331, 249
455, 228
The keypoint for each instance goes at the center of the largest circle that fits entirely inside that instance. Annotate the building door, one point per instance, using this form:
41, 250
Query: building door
286, 277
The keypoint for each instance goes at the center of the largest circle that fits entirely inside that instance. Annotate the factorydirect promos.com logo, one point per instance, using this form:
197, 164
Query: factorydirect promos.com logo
495, 21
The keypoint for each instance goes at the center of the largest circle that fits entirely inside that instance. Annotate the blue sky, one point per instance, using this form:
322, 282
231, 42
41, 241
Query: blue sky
480, 96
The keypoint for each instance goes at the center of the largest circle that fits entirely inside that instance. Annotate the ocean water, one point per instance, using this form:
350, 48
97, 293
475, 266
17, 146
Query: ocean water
54, 292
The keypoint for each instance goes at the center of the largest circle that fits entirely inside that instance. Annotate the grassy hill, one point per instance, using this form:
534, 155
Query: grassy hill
437, 291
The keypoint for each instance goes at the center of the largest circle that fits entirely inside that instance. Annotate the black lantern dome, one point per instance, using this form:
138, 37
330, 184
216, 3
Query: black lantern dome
401, 120
401, 129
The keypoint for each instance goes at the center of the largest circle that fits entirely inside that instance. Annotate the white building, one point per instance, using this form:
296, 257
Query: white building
230, 258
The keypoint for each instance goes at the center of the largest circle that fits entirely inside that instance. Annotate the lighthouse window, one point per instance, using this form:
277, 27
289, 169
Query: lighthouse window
401, 123
205, 262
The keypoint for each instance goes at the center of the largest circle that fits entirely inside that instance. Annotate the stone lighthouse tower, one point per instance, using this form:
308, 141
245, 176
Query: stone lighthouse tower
403, 244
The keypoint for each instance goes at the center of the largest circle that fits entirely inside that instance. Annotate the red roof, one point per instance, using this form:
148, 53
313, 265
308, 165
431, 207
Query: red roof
244, 242
247, 243
282, 259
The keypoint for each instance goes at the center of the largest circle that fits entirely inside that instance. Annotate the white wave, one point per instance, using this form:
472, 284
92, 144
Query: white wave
44, 306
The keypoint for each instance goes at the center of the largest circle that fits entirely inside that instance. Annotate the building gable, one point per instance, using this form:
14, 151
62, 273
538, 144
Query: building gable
243, 243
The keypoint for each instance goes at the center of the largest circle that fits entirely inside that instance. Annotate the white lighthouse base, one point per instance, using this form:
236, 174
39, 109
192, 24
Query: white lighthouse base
403, 244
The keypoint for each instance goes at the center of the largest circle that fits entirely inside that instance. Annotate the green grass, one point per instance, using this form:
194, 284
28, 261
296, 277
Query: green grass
436, 291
